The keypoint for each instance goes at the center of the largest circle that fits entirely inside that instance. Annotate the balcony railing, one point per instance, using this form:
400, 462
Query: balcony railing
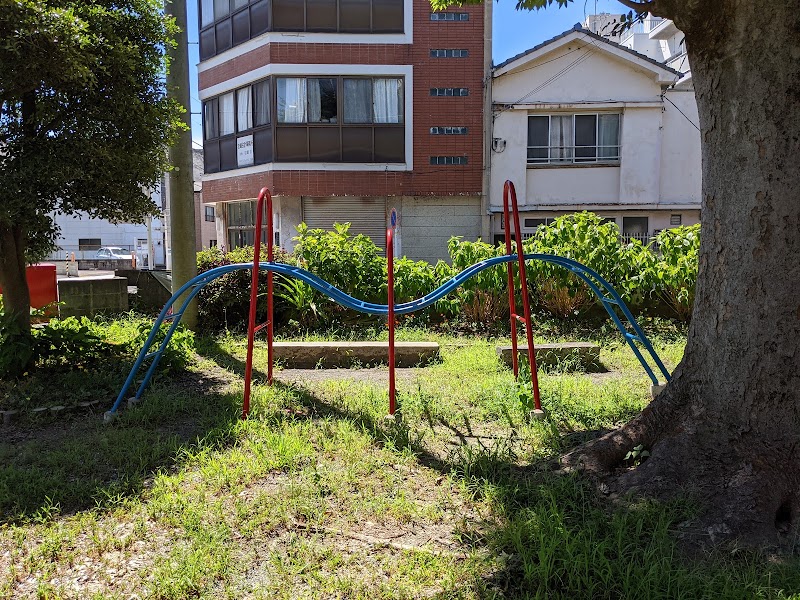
542, 155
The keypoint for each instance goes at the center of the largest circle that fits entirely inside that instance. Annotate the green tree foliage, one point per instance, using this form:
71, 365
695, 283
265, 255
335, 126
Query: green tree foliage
84, 121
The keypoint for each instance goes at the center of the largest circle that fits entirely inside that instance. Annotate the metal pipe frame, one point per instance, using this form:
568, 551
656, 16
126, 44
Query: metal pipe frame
608, 296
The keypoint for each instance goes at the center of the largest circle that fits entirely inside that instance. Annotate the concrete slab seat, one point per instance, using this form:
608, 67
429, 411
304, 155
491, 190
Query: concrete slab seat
331, 355
578, 354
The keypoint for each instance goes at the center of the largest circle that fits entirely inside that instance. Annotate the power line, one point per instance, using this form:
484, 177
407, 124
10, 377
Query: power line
664, 96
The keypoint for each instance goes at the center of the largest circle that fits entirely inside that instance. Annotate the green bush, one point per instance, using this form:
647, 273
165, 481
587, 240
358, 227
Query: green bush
224, 303
674, 272
87, 359
588, 239
484, 297
352, 263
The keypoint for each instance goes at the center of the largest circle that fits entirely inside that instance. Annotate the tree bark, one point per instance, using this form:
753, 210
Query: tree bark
16, 297
726, 430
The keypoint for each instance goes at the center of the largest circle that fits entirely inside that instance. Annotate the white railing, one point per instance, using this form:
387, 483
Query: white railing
544, 155
645, 238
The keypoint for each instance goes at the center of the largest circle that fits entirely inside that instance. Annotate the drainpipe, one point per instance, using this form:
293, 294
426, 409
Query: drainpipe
487, 121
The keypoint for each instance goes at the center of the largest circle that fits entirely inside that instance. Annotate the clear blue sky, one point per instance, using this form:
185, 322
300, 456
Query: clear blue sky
513, 32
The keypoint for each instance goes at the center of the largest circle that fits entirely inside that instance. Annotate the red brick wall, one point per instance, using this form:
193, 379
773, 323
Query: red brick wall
424, 179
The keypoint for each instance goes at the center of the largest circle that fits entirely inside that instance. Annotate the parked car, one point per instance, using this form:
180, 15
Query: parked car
113, 252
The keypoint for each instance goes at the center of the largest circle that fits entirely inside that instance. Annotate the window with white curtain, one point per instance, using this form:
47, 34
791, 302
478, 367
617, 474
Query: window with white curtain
574, 138
227, 116
244, 109
358, 101
292, 96
261, 99
211, 119
387, 100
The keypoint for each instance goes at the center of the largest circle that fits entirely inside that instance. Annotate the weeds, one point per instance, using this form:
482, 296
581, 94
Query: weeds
316, 495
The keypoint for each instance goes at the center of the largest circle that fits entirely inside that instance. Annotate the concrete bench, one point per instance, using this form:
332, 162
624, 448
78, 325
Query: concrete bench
331, 355
585, 353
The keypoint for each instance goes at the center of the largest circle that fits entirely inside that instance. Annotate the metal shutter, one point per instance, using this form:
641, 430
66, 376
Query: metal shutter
366, 215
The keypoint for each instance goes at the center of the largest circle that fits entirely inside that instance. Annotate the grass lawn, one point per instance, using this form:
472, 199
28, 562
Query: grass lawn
318, 496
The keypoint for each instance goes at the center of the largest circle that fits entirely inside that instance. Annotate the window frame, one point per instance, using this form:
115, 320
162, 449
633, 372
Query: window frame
572, 159
224, 25
338, 141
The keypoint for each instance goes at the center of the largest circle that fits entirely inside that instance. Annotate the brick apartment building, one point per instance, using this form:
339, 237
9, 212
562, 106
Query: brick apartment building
345, 109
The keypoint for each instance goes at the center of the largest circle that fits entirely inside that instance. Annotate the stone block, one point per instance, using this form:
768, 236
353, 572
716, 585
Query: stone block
88, 296
585, 354
329, 355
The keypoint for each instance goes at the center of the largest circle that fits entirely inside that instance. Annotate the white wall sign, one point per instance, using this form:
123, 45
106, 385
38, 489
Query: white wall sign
244, 151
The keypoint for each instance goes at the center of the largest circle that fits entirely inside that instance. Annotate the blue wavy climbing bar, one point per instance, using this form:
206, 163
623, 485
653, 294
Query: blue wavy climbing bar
607, 295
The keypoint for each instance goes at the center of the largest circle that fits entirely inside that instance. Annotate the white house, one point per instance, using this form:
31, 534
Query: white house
581, 122
82, 236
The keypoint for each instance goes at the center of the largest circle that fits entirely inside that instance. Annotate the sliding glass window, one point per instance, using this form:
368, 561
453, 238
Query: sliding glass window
228, 23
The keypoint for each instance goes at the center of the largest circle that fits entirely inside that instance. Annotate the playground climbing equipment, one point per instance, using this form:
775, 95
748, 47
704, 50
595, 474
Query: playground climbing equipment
608, 296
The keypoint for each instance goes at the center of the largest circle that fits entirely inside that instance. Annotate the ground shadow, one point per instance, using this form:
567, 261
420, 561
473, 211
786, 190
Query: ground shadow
77, 462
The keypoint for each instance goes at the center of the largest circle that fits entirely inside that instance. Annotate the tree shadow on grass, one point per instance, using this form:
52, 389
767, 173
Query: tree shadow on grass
552, 534
79, 463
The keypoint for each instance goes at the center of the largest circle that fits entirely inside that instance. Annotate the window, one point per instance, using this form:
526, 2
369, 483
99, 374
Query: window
209, 214
561, 139
387, 100
291, 100
227, 23
537, 222
675, 220
448, 53
244, 109
449, 16
322, 106
635, 228
211, 119
212, 243
448, 160
449, 91
373, 100
448, 131
227, 115
316, 119
245, 112
261, 104
89, 243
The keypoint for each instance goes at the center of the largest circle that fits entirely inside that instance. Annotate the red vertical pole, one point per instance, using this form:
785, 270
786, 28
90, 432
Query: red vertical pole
251, 323
526, 306
510, 267
390, 288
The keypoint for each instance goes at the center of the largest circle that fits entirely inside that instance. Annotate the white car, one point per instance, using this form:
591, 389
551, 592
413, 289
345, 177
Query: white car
113, 252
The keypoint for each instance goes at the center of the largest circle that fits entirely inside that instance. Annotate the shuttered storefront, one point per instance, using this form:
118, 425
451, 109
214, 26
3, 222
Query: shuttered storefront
366, 215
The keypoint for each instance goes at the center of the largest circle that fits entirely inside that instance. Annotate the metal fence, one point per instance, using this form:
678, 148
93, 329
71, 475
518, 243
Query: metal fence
69, 252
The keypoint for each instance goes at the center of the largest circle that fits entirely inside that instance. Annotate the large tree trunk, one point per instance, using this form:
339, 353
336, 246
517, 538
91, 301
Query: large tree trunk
727, 428
16, 297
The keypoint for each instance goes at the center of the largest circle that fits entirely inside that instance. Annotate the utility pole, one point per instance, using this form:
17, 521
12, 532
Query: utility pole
181, 179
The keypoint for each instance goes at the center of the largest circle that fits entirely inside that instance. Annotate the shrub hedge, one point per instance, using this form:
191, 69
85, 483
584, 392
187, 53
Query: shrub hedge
657, 277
